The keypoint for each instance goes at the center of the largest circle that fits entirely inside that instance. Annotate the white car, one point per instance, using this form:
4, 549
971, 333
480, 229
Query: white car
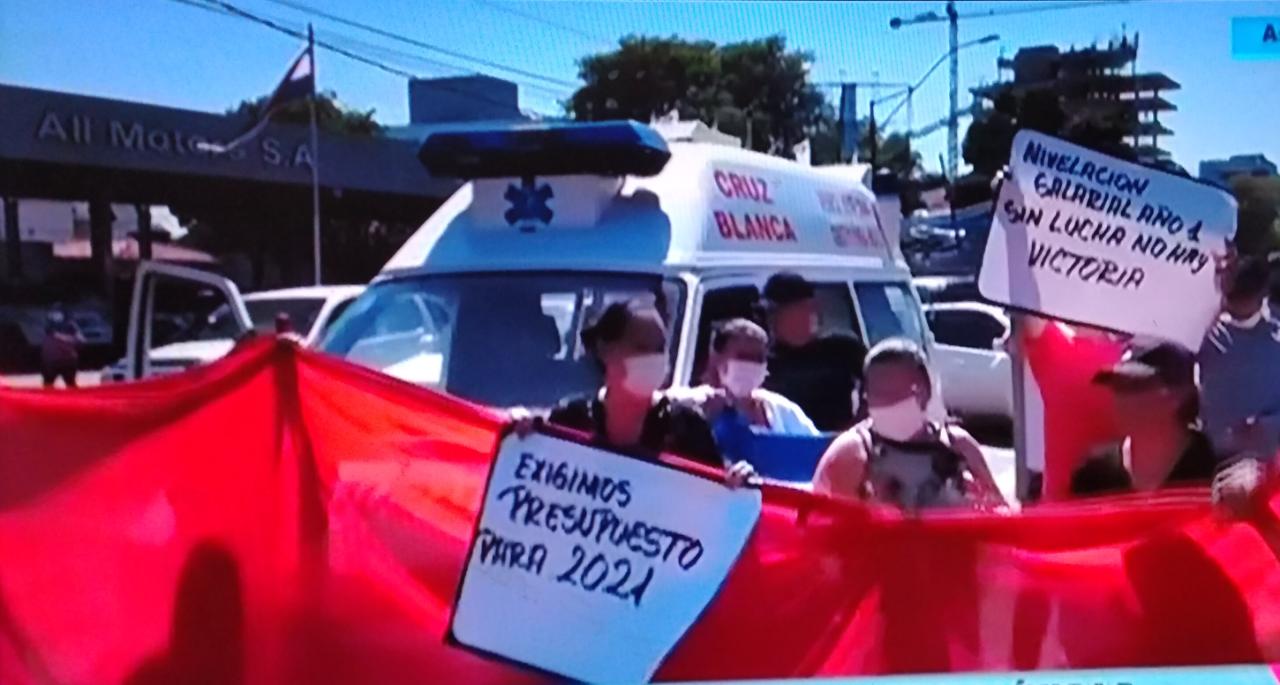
969, 357
311, 309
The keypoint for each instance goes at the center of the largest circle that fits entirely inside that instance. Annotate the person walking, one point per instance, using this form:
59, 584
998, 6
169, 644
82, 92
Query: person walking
60, 351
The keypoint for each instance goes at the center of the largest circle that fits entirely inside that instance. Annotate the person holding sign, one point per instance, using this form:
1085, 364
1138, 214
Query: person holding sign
629, 341
1156, 403
899, 457
736, 369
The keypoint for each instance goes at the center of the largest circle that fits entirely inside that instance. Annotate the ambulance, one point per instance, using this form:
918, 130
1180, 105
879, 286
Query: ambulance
557, 221
488, 299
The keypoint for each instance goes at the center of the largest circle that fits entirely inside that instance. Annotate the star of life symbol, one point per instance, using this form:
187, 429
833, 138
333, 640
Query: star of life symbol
528, 204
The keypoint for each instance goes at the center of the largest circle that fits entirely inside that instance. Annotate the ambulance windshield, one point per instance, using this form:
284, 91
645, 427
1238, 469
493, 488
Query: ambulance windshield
500, 339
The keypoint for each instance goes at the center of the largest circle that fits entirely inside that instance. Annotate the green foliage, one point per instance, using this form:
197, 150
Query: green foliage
893, 153
276, 239
757, 90
1258, 220
331, 115
990, 137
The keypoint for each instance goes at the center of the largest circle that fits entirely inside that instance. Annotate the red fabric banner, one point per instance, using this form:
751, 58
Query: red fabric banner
284, 517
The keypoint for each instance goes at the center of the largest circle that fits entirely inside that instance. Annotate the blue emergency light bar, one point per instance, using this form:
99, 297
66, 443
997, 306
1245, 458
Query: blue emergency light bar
612, 148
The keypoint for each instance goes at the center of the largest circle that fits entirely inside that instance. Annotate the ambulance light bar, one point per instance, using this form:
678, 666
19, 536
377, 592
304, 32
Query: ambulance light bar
612, 148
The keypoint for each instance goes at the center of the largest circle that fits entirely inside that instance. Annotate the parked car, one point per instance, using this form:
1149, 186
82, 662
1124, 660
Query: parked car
312, 310
969, 341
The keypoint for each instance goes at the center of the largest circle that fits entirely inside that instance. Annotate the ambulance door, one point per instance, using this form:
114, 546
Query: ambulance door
716, 299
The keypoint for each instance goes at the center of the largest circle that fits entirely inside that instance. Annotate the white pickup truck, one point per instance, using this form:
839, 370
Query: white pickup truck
311, 310
970, 360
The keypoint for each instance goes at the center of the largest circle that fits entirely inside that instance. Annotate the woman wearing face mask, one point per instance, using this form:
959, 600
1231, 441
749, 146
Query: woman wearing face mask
736, 368
629, 340
1240, 366
899, 457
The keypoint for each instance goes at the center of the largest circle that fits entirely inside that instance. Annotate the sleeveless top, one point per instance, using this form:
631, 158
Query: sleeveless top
917, 474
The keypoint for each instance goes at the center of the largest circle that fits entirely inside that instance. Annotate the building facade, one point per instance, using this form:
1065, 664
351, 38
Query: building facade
1219, 172
1095, 83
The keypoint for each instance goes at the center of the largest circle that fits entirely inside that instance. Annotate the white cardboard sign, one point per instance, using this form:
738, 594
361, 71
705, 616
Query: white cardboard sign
1080, 236
592, 565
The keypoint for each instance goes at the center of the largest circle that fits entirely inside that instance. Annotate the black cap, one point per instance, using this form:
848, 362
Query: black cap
786, 287
1165, 363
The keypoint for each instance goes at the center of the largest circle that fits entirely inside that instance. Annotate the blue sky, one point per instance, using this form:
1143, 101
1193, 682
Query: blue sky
164, 52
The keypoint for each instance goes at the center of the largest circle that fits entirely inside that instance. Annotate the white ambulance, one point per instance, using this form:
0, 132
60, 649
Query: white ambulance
557, 221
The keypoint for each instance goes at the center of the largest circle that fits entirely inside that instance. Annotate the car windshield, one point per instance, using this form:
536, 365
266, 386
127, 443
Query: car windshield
221, 325
302, 312
501, 339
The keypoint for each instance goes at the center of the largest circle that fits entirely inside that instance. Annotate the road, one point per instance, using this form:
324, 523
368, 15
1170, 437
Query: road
84, 379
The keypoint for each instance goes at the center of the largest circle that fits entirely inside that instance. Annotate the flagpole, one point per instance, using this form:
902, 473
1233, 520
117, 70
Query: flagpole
315, 159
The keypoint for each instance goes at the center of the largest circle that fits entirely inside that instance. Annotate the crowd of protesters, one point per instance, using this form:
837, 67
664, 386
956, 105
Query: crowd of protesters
1163, 416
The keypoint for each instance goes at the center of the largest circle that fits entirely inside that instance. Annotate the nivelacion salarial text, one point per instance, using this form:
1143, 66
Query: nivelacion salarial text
1127, 221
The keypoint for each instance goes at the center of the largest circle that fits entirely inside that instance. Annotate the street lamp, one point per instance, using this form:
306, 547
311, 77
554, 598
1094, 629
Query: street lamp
911, 89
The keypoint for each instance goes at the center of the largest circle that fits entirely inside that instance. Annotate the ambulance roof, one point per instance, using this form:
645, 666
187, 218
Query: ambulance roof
711, 205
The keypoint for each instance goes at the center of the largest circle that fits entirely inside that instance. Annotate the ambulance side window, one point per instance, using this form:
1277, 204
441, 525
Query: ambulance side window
835, 306
722, 304
890, 311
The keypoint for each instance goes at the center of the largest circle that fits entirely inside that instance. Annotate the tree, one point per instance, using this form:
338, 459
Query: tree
990, 136
893, 153
757, 90
1258, 218
765, 81
275, 241
331, 115
648, 77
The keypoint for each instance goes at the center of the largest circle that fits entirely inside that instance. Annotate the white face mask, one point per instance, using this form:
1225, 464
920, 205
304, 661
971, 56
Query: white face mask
1246, 323
899, 421
643, 374
741, 378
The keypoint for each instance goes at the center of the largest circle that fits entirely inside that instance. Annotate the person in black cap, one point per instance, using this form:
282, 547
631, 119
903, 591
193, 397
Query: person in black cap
820, 372
1157, 406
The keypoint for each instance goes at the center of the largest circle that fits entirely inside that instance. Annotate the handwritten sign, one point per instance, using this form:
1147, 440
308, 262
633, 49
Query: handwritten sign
592, 565
1080, 236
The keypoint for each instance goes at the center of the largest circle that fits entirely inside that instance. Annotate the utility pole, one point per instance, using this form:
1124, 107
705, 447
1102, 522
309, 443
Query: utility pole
848, 115
953, 114
952, 17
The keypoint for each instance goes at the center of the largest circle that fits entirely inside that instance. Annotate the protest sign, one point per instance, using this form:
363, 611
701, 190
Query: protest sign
1084, 237
592, 565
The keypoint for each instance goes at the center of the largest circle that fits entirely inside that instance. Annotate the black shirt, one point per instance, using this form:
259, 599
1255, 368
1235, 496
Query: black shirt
1104, 473
668, 427
820, 377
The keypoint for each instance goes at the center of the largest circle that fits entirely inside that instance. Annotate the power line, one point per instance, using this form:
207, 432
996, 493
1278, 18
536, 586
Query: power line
1034, 8
418, 43
394, 54
546, 22
227, 9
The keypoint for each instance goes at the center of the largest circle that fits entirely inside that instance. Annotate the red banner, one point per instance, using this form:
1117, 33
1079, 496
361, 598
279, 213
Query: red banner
285, 517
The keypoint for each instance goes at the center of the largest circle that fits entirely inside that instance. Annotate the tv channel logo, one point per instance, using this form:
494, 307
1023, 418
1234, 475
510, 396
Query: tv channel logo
1255, 37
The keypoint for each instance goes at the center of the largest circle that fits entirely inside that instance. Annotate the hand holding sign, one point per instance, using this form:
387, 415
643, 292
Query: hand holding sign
592, 565
1083, 237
